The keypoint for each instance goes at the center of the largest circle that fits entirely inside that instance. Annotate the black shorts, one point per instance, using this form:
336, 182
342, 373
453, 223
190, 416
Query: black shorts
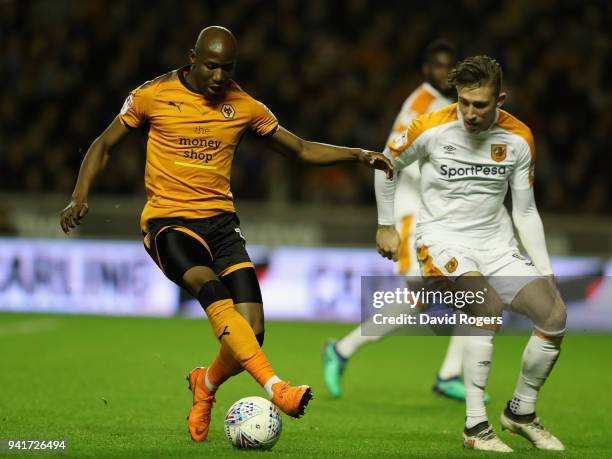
220, 238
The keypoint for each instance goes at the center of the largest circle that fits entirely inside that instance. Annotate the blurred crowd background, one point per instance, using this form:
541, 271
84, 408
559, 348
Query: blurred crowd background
332, 71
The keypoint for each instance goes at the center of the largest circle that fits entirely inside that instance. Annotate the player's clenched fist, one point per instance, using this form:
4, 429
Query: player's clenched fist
387, 241
72, 215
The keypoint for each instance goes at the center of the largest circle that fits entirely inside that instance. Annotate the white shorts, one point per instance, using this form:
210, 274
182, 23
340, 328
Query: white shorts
508, 271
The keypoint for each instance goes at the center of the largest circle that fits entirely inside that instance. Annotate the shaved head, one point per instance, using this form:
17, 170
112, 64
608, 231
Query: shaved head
212, 61
216, 39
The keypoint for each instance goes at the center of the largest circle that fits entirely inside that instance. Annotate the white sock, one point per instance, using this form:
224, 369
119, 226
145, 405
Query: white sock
359, 336
210, 386
539, 358
453, 361
478, 352
349, 344
268, 385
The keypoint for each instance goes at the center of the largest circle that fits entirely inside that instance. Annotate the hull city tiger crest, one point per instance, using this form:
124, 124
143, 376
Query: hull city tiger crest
452, 264
498, 152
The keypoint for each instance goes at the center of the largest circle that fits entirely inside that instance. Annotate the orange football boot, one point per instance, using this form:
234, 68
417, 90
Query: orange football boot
291, 400
203, 400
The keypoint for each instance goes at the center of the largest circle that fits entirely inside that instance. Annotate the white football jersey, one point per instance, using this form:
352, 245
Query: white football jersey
465, 176
424, 99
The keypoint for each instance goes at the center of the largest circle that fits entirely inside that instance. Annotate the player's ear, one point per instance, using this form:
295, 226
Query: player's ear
192, 56
501, 99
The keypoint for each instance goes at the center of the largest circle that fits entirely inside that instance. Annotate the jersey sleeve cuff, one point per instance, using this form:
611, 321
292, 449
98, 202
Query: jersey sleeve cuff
126, 124
272, 130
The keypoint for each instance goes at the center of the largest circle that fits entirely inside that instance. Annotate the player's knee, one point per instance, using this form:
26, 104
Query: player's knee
195, 278
551, 319
556, 320
211, 292
560, 313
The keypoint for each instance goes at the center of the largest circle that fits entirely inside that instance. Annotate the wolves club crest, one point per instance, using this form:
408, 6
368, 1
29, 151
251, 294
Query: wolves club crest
498, 152
228, 111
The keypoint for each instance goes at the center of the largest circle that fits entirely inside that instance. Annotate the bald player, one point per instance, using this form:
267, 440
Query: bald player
196, 116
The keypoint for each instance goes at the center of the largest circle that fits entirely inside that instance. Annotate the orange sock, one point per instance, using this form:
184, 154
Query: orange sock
259, 367
223, 367
235, 332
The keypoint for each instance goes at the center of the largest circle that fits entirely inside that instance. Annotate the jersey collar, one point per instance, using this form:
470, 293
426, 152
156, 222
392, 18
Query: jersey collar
183, 80
181, 75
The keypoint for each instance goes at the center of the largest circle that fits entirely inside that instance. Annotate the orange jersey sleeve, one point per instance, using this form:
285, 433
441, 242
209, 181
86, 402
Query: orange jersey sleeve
134, 112
523, 176
263, 122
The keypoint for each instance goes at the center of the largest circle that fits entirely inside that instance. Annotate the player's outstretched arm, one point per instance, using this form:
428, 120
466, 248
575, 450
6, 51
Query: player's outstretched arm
289, 144
93, 163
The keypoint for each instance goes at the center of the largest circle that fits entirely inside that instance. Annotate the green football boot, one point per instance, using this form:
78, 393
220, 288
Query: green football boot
333, 367
453, 388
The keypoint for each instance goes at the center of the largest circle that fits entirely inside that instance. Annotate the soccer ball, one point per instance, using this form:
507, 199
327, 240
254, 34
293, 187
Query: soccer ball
253, 423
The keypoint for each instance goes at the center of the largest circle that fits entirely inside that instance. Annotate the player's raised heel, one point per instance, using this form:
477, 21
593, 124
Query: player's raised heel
193, 375
306, 398
482, 437
291, 400
529, 427
453, 388
203, 400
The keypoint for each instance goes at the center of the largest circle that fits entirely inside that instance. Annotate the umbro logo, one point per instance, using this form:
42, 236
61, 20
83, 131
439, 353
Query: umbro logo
176, 104
522, 258
449, 149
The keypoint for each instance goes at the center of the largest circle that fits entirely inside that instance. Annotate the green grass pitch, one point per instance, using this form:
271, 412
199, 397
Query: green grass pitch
115, 387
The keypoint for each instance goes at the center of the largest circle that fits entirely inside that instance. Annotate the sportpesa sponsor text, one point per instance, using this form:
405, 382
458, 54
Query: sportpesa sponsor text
472, 171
